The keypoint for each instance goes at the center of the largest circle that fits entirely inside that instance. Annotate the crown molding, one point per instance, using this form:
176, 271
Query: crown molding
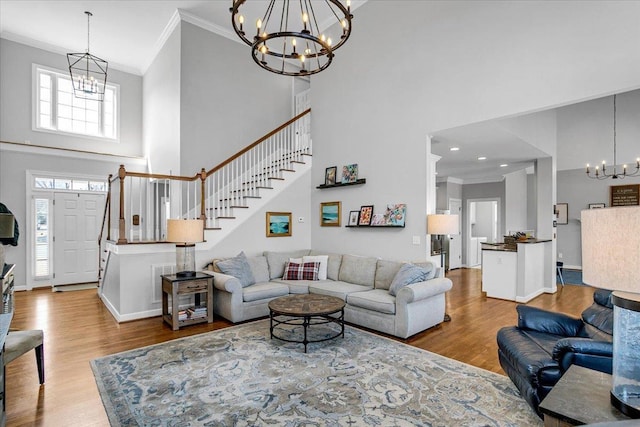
61, 50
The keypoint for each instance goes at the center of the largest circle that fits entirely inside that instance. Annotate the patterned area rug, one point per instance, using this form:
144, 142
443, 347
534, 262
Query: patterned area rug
239, 376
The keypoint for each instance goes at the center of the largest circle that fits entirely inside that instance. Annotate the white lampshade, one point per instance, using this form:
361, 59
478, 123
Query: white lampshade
611, 248
185, 230
442, 224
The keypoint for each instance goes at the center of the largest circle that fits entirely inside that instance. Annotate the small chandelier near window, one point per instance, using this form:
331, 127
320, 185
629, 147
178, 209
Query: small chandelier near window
88, 72
294, 45
603, 174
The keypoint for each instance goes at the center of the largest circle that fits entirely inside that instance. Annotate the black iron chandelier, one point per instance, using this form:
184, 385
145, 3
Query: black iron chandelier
88, 72
292, 43
603, 174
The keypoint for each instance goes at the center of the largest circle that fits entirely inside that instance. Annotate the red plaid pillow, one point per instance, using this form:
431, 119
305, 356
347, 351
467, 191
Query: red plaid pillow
306, 271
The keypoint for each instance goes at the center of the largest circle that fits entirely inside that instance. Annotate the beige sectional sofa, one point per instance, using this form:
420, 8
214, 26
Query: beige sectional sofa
362, 282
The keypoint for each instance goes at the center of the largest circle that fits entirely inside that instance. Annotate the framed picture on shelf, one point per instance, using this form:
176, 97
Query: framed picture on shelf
366, 212
562, 213
349, 173
378, 220
330, 175
330, 214
395, 215
597, 205
278, 224
353, 218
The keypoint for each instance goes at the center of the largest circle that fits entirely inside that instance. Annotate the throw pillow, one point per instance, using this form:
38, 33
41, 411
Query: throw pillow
324, 263
304, 271
239, 268
407, 275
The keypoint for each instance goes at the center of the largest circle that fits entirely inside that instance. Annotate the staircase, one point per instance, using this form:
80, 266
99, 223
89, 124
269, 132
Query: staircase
138, 204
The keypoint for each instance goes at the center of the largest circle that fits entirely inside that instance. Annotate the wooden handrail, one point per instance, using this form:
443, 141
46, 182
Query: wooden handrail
250, 146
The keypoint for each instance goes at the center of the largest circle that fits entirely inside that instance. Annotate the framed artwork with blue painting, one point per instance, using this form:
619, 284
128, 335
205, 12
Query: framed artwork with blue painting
395, 215
330, 213
278, 224
349, 173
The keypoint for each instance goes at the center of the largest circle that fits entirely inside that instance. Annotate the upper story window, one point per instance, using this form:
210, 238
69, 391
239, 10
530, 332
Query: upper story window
57, 110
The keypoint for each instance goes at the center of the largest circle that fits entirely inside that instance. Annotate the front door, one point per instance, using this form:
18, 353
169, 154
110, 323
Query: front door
77, 218
455, 240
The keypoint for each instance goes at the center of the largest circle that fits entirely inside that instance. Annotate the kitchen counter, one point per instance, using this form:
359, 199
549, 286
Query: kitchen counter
514, 271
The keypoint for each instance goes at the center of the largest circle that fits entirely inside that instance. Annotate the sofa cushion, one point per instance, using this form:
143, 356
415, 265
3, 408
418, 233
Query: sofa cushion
408, 274
324, 262
376, 299
385, 272
304, 271
300, 286
336, 288
277, 261
259, 268
333, 266
263, 291
358, 270
239, 268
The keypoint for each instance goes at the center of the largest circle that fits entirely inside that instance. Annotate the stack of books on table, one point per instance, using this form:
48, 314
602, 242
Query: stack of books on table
192, 313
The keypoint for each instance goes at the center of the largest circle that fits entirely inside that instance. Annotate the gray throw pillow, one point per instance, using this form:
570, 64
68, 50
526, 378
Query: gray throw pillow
408, 274
239, 268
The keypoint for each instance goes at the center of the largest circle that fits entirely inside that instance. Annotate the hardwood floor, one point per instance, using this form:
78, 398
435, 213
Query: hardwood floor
78, 328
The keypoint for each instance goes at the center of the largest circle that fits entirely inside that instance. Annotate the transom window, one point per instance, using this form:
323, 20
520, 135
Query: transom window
56, 109
72, 184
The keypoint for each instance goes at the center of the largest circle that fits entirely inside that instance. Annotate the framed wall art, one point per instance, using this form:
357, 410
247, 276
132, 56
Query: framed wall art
395, 215
378, 220
278, 224
353, 218
366, 213
330, 175
597, 205
562, 213
330, 214
349, 173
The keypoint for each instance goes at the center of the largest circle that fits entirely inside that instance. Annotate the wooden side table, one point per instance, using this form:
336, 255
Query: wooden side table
580, 397
175, 286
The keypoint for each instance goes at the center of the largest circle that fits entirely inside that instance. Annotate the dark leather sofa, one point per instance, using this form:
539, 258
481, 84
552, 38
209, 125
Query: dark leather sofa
545, 344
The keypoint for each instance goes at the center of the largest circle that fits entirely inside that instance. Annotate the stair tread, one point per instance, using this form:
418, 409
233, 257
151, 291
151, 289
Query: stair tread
225, 217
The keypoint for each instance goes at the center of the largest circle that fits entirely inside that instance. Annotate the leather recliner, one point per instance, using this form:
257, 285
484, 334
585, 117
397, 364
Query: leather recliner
545, 344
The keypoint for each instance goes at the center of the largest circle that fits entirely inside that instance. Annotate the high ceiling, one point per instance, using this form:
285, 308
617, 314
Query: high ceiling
126, 33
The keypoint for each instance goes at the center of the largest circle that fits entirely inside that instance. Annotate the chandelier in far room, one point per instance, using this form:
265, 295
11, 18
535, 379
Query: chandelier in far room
602, 173
288, 39
88, 72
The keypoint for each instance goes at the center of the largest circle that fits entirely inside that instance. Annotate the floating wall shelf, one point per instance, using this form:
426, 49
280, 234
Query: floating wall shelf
339, 184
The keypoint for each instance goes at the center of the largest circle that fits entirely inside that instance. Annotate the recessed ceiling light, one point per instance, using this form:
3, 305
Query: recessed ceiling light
454, 149
482, 158
504, 165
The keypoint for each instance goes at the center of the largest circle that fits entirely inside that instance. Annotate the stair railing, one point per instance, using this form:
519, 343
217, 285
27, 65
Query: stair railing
139, 204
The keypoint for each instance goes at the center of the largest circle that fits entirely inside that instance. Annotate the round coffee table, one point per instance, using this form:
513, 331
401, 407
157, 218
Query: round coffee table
305, 310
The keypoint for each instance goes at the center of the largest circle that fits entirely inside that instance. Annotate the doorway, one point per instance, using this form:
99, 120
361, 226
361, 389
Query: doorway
482, 226
77, 218
455, 240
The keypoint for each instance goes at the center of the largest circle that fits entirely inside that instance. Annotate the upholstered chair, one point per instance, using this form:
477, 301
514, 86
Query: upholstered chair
19, 342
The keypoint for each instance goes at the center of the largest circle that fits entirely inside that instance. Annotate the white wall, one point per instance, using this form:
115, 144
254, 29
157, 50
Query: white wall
397, 85
16, 62
226, 101
161, 113
515, 201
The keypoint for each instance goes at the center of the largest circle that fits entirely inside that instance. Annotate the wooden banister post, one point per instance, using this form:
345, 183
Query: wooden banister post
122, 173
109, 205
203, 177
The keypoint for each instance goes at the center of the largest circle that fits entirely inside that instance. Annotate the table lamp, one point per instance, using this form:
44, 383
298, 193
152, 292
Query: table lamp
441, 225
611, 260
185, 233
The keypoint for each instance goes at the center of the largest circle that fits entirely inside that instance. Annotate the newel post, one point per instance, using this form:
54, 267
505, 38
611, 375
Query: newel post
203, 177
109, 207
121, 223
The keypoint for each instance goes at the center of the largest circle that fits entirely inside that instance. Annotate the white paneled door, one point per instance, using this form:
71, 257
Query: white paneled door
77, 218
